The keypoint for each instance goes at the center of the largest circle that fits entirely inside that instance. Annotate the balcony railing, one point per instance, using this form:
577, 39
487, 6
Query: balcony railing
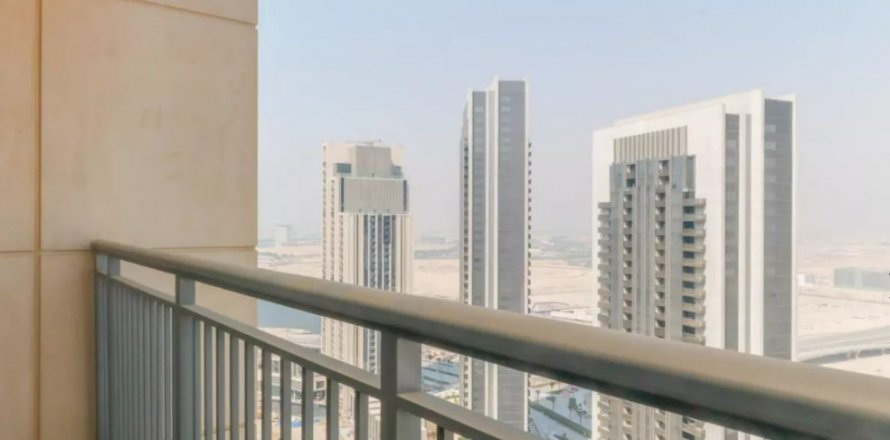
151, 384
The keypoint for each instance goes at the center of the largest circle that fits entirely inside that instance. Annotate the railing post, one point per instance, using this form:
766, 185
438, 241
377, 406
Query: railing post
308, 403
360, 415
105, 267
332, 409
400, 372
184, 343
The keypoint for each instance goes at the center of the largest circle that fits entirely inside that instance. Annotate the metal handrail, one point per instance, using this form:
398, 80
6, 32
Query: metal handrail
757, 395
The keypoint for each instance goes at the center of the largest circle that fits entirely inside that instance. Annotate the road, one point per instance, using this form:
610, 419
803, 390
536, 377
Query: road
841, 346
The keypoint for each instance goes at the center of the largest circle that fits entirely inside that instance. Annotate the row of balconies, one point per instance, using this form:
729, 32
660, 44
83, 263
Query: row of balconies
694, 262
697, 432
692, 247
696, 292
694, 323
603, 319
696, 217
693, 277
696, 307
698, 231
604, 303
690, 200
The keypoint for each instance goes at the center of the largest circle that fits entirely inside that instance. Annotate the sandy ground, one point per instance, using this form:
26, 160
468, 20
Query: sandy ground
824, 314
552, 280
822, 309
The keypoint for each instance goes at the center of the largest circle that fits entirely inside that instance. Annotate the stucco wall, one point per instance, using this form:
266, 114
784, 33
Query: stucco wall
129, 120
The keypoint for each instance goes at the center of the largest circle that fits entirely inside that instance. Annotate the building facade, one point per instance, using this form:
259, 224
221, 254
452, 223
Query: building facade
366, 236
694, 225
495, 180
861, 279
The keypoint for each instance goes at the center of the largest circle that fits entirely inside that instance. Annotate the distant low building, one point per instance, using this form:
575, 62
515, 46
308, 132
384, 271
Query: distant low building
282, 235
806, 279
862, 278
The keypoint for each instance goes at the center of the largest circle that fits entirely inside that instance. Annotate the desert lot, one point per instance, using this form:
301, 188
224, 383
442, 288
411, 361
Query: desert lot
822, 309
552, 280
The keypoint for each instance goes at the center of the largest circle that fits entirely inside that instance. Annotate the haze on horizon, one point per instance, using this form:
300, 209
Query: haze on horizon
400, 71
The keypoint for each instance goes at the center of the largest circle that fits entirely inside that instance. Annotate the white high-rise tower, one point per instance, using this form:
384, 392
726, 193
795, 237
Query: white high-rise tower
494, 234
694, 213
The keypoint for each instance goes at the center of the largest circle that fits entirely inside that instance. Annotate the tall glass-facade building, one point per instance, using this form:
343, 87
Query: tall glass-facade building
495, 181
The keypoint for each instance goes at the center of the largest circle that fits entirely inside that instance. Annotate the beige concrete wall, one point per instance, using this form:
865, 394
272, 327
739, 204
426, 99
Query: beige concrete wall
129, 120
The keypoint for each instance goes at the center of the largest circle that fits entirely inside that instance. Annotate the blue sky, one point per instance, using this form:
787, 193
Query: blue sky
399, 72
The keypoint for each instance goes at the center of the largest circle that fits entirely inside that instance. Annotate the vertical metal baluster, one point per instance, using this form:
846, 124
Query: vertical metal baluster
141, 362
131, 373
154, 388
400, 372
287, 406
167, 337
122, 401
249, 391
136, 348
220, 384
308, 401
112, 364
443, 434
102, 282
99, 300
333, 409
150, 394
133, 343
197, 357
157, 368
131, 362
234, 395
208, 381
161, 378
118, 399
267, 394
184, 337
360, 414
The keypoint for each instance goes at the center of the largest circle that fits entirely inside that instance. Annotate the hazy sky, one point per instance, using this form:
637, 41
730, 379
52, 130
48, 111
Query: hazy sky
399, 72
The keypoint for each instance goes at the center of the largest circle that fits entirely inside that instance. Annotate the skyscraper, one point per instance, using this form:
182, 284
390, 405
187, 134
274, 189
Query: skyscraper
494, 233
694, 213
366, 236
